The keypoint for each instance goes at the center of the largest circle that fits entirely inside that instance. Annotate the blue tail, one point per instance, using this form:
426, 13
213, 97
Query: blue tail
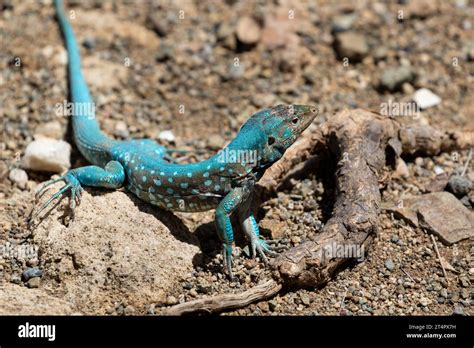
90, 140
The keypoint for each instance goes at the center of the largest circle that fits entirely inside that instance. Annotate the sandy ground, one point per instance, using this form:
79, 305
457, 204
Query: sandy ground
177, 65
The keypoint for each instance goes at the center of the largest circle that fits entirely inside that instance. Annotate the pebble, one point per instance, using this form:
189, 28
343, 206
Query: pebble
305, 299
167, 135
18, 177
425, 99
394, 238
264, 306
389, 264
425, 301
393, 78
156, 23
49, 155
171, 300
32, 273
248, 31
89, 42
215, 142
351, 45
342, 22
226, 35
34, 282
458, 310
459, 185
121, 130
438, 170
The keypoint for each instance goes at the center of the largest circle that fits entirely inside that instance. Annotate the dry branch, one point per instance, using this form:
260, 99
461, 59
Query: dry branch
226, 301
358, 140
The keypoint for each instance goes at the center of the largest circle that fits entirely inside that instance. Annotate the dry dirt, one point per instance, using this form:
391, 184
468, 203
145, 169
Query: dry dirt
176, 65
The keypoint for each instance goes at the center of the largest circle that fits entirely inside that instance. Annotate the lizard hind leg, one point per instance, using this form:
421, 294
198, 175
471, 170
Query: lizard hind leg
112, 176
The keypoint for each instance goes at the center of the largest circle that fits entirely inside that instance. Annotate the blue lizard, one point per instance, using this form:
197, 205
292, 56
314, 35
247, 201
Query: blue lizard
223, 182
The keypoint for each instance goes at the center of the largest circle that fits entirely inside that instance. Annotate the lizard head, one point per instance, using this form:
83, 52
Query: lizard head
278, 128
268, 134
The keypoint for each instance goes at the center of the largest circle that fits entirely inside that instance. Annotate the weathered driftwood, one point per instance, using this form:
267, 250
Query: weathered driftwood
359, 141
226, 301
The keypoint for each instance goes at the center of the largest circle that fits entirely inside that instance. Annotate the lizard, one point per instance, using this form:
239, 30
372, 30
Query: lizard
224, 181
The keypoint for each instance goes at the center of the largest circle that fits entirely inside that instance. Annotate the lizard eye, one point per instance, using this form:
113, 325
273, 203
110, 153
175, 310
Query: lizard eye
271, 140
295, 120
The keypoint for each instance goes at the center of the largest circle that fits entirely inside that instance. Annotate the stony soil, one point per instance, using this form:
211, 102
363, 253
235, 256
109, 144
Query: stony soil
177, 65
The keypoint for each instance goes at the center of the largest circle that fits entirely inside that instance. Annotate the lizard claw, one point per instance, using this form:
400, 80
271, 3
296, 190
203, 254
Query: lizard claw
71, 184
260, 247
227, 255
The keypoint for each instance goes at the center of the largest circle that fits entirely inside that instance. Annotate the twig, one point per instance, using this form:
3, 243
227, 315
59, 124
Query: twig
439, 256
469, 156
226, 301
407, 274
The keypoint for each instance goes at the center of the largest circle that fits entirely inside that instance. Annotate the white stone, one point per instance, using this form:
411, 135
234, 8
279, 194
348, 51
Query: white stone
19, 177
424, 98
438, 170
48, 155
167, 135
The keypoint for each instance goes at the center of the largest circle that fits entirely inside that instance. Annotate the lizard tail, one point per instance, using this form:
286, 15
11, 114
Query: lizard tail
90, 140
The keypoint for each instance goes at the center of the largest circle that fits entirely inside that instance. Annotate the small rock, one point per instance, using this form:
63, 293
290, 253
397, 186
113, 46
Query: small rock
305, 299
464, 282
438, 170
342, 22
248, 31
235, 71
226, 35
264, 307
380, 53
424, 98
394, 239
18, 177
167, 135
156, 23
389, 264
15, 278
49, 155
351, 45
171, 300
31, 273
425, 301
121, 130
164, 53
459, 185
215, 142
34, 282
402, 170
440, 213
89, 42
458, 310
393, 78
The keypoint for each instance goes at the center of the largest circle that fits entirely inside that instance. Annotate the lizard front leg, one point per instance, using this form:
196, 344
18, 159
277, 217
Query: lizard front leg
111, 176
251, 230
224, 226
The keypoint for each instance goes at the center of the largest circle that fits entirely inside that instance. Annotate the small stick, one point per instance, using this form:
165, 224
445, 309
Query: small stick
226, 301
343, 298
408, 275
439, 256
469, 156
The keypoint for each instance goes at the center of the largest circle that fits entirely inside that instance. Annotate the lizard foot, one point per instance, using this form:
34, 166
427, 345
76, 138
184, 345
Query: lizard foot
71, 184
260, 247
227, 255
